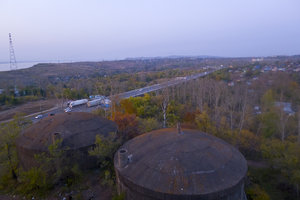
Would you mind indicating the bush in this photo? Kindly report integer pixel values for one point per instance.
(146, 125)
(119, 197)
(257, 193)
(33, 182)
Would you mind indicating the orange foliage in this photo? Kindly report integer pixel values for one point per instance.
(127, 125)
(128, 106)
(190, 116)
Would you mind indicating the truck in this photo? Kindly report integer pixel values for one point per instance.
(107, 103)
(95, 102)
(78, 102)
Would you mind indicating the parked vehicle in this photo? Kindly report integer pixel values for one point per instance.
(38, 116)
(68, 109)
(78, 102)
(95, 102)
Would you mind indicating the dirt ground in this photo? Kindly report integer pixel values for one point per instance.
(28, 108)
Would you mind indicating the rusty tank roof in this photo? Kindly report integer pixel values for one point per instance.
(77, 129)
(191, 163)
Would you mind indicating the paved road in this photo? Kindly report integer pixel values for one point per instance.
(176, 81)
(132, 93)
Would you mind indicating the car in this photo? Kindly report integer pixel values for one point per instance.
(68, 109)
(51, 114)
(38, 116)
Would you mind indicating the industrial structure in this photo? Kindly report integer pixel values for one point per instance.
(185, 164)
(76, 130)
(12, 56)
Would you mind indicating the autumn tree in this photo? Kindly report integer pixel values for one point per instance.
(127, 125)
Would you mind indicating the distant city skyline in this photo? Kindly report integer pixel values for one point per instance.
(108, 30)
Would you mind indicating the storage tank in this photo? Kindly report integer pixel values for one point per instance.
(78, 102)
(172, 164)
(77, 131)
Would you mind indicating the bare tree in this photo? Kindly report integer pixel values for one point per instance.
(164, 105)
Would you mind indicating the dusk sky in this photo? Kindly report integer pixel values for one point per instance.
(77, 30)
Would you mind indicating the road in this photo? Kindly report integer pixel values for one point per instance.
(152, 88)
(132, 93)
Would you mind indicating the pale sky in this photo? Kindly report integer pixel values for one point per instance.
(80, 30)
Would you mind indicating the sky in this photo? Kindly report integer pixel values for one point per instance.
(95, 30)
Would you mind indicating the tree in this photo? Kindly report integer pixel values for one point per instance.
(257, 193)
(164, 101)
(127, 125)
(104, 149)
(149, 124)
(284, 155)
(128, 106)
(268, 123)
(8, 153)
(204, 123)
(174, 113)
(268, 101)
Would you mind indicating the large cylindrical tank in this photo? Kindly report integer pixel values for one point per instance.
(77, 131)
(167, 165)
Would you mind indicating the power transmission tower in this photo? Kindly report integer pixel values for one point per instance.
(12, 57)
(13, 62)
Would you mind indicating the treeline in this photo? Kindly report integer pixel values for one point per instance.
(83, 88)
(12, 97)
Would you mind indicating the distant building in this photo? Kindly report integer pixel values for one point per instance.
(16, 91)
(257, 67)
(257, 110)
(267, 68)
(287, 107)
(231, 84)
(297, 69)
(257, 59)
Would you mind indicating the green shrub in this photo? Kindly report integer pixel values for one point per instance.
(257, 193)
